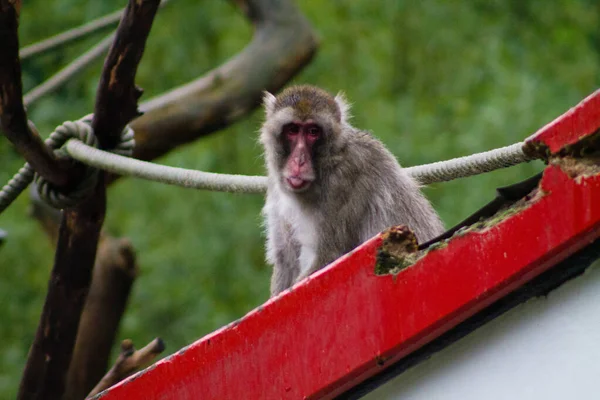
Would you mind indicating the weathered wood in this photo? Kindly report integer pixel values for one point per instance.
(283, 44)
(13, 119)
(129, 361)
(50, 355)
(48, 216)
(114, 273)
(117, 96)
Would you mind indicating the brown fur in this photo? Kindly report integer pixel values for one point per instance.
(305, 100)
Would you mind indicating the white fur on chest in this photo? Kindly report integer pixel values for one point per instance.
(304, 228)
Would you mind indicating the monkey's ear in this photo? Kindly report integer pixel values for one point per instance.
(344, 107)
(268, 102)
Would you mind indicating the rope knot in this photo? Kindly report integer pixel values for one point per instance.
(78, 130)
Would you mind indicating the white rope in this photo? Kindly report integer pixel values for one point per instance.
(118, 162)
(160, 173)
(474, 164)
(424, 174)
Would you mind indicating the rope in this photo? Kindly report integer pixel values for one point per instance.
(475, 164)
(81, 145)
(425, 174)
(170, 175)
(80, 130)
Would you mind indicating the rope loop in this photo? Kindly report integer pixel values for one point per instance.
(80, 130)
(51, 194)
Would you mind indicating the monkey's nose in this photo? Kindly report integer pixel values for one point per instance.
(301, 160)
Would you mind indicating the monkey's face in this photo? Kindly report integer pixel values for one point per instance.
(300, 141)
(302, 128)
(296, 148)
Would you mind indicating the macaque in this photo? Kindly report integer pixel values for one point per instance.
(331, 186)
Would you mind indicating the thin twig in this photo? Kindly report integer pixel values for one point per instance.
(129, 362)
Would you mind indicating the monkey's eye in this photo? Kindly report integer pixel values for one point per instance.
(314, 132)
(291, 129)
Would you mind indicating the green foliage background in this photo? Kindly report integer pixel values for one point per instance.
(432, 79)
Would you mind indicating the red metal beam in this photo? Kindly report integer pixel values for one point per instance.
(574, 125)
(344, 323)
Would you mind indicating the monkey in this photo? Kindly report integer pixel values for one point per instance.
(330, 186)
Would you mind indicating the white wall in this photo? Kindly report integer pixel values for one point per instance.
(547, 348)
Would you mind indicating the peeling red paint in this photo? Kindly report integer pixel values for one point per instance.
(571, 127)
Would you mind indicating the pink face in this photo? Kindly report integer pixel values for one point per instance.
(300, 138)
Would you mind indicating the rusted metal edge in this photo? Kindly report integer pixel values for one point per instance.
(572, 267)
(574, 129)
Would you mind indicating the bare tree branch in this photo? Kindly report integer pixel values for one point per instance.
(48, 362)
(117, 96)
(50, 353)
(129, 362)
(282, 45)
(13, 119)
(114, 273)
(48, 216)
